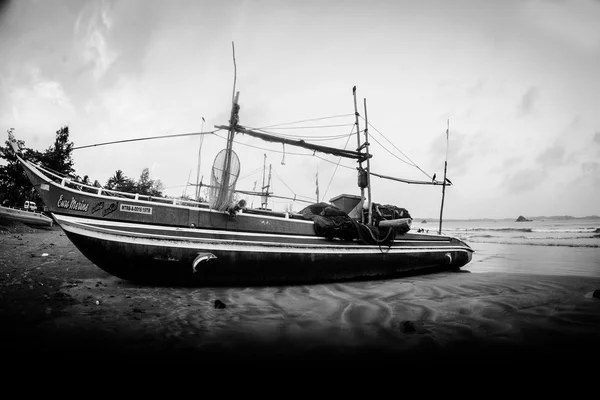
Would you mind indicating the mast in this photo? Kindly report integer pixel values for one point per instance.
(233, 120)
(368, 163)
(264, 170)
(265, 193)
(444, 183)
(362, 178)
(232, 123)
(198, 168)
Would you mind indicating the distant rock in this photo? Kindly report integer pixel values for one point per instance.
(596, 293)
(522, 219)
(424, 221)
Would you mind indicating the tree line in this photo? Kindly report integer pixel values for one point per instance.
(15, 187)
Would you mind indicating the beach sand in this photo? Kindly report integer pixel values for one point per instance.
(518, 306)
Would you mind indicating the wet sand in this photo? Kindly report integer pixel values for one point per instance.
(505, 309)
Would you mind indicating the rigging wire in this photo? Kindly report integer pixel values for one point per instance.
(285, 184)
(313, 138)
(306, 127)
(307, 120)
(401, 152)
(147, 138)
(250, 173)
(338, 163)
(280, 152)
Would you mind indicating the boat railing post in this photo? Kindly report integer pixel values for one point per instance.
(62, 182)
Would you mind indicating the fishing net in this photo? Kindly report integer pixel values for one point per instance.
(223, 179)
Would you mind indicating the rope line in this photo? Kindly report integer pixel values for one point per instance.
(401, 152)
(146, 138)
(339, 159)
(307, 120)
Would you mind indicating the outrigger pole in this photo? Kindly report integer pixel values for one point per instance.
(444, 183)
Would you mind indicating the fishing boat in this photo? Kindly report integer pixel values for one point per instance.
(27, 217)
(223, 241)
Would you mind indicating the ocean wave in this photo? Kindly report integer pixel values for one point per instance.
(530, 243)
(489, 229)
(538, 238)
(528, 230)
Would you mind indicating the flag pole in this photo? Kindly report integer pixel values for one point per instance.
(444, 183)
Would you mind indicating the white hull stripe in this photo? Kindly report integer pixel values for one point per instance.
(117, 224)
(166, 231)
(240, 246)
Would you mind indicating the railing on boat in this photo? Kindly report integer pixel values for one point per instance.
(66, 182)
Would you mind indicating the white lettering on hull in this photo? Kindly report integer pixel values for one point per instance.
(72, 204)
(136, 209)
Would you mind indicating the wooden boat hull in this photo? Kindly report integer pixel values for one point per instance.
(165, 256)
(26, 217)
(170, 243)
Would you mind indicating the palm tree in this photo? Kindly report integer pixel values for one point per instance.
(117, 181)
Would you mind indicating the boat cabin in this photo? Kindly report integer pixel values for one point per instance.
(348, 203)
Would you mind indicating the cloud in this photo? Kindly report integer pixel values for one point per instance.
(528, 100)
(33, 97)
(575, 23)
(524, 180)
(552, 156)
(590, 167)
(597, 137)
(91, 31)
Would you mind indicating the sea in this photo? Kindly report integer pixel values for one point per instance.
(545, 246)
(578, 232)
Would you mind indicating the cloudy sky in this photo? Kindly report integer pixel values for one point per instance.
(518, 80)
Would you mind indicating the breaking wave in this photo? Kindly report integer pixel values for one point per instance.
(560, 242)
(529, 230)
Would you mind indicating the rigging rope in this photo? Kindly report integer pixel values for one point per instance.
(306, 127)
(313, 138)
(411, 161)
(338, 163)
(294, 154)
(285, 184)
(147, 138)
(307, 120)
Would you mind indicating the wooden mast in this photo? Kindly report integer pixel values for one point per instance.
(233, 120)
(197, 197)
(360, 168)
(444, 183)
(366, 145)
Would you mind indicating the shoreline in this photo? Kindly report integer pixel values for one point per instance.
(60, 304)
